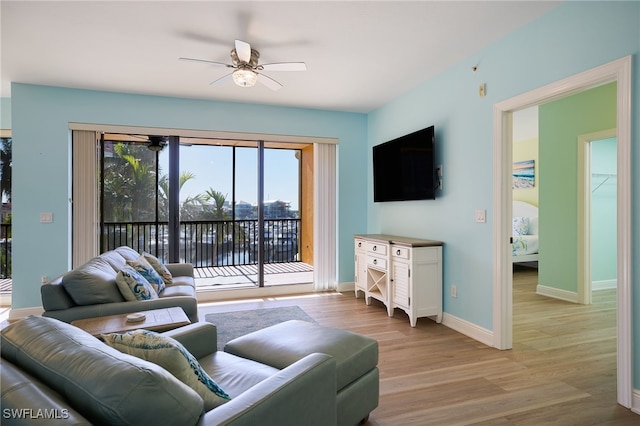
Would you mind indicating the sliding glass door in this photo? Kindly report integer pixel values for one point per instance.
(238, 204)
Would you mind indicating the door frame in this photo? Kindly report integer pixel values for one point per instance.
(618, 71)
(584, 212)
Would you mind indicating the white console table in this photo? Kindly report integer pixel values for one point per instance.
(400, 272)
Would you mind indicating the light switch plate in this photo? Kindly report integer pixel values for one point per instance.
(46, 217)
(481, 216)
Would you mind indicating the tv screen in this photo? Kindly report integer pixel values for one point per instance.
(403, 168)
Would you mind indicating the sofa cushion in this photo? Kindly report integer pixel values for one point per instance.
(113, 258)
(160, 268)
(103, 384)
(127, 253)
(173, 357)
(92, 283)
(132, 283)
(146, 270)
(178, 290)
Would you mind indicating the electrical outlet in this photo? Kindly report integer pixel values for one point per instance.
(454, 291)
(482, 90)
(481, 216)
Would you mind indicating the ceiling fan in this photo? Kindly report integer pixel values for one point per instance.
(247, 70)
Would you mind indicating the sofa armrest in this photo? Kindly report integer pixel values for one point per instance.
(302, 394)
(200, 339)
(180, 269)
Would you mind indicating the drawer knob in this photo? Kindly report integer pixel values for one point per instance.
(398, 252)
(375, 248)
(375, 261)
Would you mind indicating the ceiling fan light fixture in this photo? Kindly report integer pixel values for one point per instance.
(157, 143)
(244, 77)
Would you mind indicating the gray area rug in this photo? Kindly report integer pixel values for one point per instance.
(238, 323)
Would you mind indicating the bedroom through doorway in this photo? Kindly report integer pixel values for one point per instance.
(617, 72)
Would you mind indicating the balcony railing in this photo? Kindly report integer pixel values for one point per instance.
(5, 251)
(210, 243)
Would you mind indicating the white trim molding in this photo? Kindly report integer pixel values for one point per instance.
(467, 328)
(557, 293)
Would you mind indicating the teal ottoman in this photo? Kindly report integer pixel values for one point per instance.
(356, 359)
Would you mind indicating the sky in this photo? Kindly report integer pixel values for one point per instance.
(212, 167)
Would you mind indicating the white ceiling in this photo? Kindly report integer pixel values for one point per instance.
(359, 54)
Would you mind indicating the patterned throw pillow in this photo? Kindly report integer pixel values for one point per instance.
(520, 225)
(159, 267)
(133, 285)
(146, 270)
(171, 355)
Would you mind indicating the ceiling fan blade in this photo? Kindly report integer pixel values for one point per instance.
(221, 80)
(205, 61)
(243, 50)
(285, 66)
(269, 82)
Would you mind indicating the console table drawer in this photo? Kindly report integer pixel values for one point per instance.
(379, 249)
(377, 262)
(401, 252)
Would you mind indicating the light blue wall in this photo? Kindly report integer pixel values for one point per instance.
(603, 210)
(42, 172)
(574, 37)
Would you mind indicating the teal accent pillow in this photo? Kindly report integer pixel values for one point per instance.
(159, 267)
(146, 270)
(520, 225)
(171, 355)
(133, 285)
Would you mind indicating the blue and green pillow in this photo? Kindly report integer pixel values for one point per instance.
(171, 355)
(133, 285)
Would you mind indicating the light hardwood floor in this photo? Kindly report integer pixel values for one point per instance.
(561, 370)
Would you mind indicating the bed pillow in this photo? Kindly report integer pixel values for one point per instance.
(133, 285)
(520, 225)
(171, 355)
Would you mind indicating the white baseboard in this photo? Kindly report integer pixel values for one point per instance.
(568, 296)
(635, 401)
(20, 313)
(604, 285)
(348, 286)
(467, 328)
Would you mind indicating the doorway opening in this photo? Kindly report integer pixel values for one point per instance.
(620, 72)
(597, 200)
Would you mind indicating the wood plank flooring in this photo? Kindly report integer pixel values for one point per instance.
(561, 370)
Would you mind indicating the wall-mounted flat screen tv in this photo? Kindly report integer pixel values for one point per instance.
(404, 169)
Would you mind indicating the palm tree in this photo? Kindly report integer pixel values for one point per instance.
(188, 208)
(219, 199)
(6, 147)
(129, 184)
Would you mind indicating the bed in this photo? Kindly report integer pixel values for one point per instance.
(525, 232)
